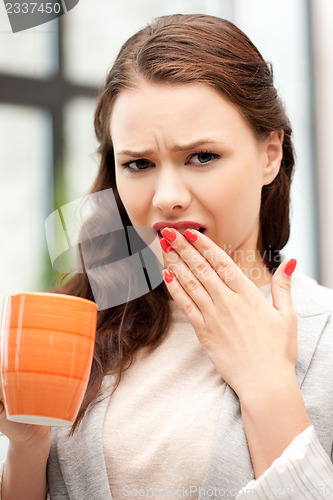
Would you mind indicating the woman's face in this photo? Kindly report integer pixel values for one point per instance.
(184, 153)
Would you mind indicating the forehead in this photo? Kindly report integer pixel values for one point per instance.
(169, 109)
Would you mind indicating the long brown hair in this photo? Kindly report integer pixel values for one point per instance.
(183, 49)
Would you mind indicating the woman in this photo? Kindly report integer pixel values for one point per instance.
(218, 376)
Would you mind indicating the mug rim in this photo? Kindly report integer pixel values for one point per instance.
(51, 294)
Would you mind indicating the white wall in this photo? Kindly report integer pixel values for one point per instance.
(322, 16)
(280, 31)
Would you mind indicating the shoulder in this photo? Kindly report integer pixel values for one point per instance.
(309, 297)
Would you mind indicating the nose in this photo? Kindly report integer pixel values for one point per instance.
(171, 192)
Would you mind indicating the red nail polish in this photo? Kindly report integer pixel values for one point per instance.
(165, 246)
(169, 234)
(167, 275)
(290, 267)
(190, 235)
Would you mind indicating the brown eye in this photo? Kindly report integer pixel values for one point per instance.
(203, 157)
(136, 165)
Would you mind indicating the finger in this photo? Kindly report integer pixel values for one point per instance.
(218, 259)
(187, 280)
(182, 299)
(2, 408)
(196, 263)
(281, 288)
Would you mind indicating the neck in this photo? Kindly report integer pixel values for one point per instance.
(255, 270)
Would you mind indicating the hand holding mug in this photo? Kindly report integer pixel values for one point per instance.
(47, 345)
(22, 434)
(248, 340)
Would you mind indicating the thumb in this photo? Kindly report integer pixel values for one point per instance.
(281, 287)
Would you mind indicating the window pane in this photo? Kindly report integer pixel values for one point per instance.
(323, 84)
(31, 53)
(81, 162)
(25, 197)
(94, 35)
(284, 40)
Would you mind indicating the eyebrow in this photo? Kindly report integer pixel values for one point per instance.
(178, 147)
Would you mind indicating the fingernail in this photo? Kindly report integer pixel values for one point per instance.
(190, 235)
(167, 275)
(165, 246)
(169, 234)
(290, 267)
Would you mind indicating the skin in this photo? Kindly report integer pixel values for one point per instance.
(24, 473)
(216, 278)
(174, 185)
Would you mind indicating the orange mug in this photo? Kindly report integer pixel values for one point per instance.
(47, 346)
